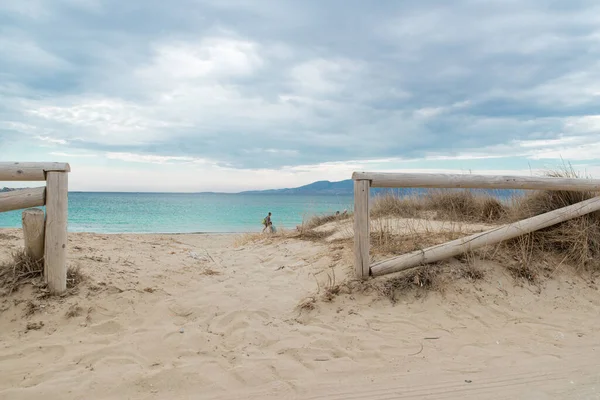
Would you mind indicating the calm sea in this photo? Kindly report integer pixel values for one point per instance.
(184, 213)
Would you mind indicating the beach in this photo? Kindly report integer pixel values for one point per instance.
(231, 316)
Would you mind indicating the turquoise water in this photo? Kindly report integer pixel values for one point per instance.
(184, 213)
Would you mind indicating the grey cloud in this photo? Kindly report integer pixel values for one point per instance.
(341, 80)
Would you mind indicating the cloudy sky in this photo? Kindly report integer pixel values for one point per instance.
(191, 95)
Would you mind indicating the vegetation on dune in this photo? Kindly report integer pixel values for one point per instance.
(21, 270)
(453, 205)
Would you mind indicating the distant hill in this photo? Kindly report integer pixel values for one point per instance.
(346, 187)
(320, 187)
(6, 189)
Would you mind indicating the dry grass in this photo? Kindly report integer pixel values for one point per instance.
(308, 304)
(385, 239)
(31, 308)
(310, 234)
(75, 277)
(453, 205)
(423, 279)
(247, 238)
(20, 270)
(210, 272)
(320, 220)
(74, 311)
(578, 239)
(34, 326)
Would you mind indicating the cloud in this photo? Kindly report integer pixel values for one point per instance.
(72, 155)
(293, 86)
(51, 140)
(211, 58)
(154, 159)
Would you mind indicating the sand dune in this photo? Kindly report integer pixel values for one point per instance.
(194, 316)
(344, 229)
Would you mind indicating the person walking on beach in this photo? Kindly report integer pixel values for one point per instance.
(267, 223)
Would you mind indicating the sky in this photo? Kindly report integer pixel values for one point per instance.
(229, 95)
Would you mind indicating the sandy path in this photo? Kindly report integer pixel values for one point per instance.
(152, 325)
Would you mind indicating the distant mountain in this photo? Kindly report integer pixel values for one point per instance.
(347, 188)
(320, 187)
(6, 189)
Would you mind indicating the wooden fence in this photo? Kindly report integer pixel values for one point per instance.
(363, 181)
(44, 237)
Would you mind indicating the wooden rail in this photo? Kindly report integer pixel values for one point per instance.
(448, 181)
(28, 171)
(54, 229)
(366, 180)
(24, 198)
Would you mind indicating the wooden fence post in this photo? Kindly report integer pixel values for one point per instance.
(361, 229)
(55, 256)
(33, 233)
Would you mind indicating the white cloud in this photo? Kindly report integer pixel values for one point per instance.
(147, 158)
(209, 58)
(322, 76)
(51, 140)
(72, 155)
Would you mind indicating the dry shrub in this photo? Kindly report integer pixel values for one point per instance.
(34, 326)
(247, 238)
(319, 220)
(307, 304)
(74, 311)
(398, 206)
(310, 234)
(454, 205)
(331, 289)
(75, 276)
(31, 308)
(466, 205)
(22, 270)
(578, 239)
(210, 272)
(423, 279)
(19, 271)
(492, 210)
(468, 269)
(385, 240)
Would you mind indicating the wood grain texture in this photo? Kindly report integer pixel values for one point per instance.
(417, 180)
(55, 256)
(33, 232)
(361, 229)
(29, 171)
(24, 198)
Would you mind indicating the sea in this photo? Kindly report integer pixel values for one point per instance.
(188, 213)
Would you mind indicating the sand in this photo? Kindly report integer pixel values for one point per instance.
(203, 317)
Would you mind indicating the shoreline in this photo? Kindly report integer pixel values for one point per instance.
(146, 233)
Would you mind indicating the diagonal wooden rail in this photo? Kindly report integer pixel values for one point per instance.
(363, 181)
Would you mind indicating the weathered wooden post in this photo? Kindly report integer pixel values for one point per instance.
(55, 256)
(33, 233)
(362, 238)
